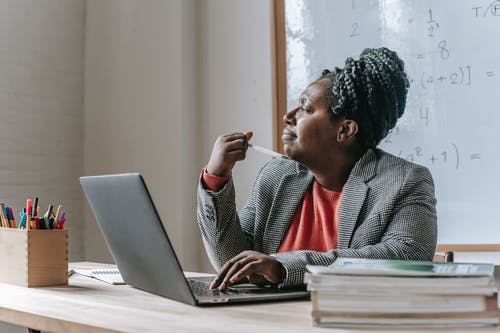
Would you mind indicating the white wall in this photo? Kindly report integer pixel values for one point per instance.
(162, 80)
(41, 112)
(141, 100)
(237, 93)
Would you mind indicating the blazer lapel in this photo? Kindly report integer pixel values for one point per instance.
(354, 195)
(288, 197)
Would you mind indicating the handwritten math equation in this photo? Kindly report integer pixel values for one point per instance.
(462, 74)
(450, 70)
(448, 155)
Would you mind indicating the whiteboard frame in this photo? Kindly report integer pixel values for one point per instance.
(280, 110)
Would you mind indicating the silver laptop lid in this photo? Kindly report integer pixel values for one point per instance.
(135, 235)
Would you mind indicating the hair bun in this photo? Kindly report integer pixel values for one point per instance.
(372, 91)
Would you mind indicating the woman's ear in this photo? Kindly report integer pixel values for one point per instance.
(347, 130)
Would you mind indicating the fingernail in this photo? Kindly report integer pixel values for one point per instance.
(222, 286)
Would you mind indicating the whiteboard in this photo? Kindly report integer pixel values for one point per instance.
(451, 124)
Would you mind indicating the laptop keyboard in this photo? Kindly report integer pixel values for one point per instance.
(201, 288)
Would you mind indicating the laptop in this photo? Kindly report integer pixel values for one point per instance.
(141, 248)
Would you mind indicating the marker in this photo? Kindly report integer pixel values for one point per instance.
(11, 217)
(22, 221)
(57, 217)
(267, 151)
(28, 213)
(63, 221)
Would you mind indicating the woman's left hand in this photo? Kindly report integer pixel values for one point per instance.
(250, 266)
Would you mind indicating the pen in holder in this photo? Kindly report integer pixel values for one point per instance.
(35, 252)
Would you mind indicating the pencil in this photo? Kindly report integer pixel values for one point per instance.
(267, 151)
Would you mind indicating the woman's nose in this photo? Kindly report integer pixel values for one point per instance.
(289, 117)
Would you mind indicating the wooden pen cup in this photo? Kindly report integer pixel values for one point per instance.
(33, 258)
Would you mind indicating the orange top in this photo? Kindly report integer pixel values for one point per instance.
(212, 182)
(315, 223)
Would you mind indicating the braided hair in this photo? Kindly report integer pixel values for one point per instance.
(371, 91)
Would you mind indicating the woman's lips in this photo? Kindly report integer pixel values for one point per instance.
(288, 135)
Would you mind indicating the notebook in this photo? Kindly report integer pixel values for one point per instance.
(141, 248)
(111, 276)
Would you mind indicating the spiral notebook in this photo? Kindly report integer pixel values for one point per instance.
(111, 276)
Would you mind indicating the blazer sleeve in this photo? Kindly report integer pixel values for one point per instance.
(410, 234)
(225, 234)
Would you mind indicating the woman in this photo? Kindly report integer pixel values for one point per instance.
(337, 195)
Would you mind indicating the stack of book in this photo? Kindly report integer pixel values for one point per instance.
(394, 293)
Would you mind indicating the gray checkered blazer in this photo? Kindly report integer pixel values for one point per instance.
(387, 211)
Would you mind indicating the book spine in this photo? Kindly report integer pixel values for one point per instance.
(449, 315)
(491, 302)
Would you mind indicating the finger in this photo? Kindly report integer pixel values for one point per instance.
(257, 279)
(228, 279)
(220, 276)
(236, 155)
(244, 280)
(248, 134)
(215, 283)
(236, 144)
(234, 136)
(251, 267)
(222, 273)
(231, 134)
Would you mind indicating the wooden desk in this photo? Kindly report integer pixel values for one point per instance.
(88, 305)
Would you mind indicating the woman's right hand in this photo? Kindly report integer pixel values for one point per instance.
(228, 149)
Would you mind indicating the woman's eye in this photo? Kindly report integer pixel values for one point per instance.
(305, 110)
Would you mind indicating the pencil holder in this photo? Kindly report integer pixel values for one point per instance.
(33, 258)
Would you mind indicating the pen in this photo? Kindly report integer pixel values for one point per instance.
(41, 222)
(49, 211)
(63, 216)
(267, 151)
(3, 216)
(35, 204)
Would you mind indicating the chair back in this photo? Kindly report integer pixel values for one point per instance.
(446, 256)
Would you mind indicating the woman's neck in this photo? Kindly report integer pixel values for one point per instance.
(333, 173)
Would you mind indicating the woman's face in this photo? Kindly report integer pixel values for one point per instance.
(310, 134)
